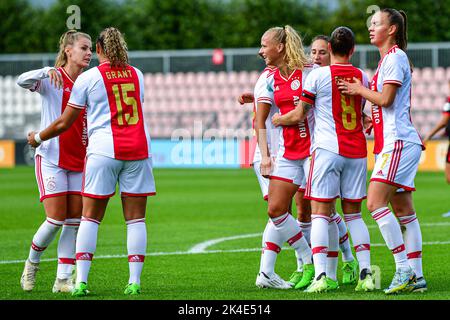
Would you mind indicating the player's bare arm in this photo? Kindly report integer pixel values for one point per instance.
(58, 126)
(440, 125)
(384, 99)
(262, 112)
(292, 117)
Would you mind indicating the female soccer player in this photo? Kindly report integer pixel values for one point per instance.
(282, 47)
(59, 162)
(320, 55)
(398, 147)
(118, 152)
(338, 164)
(444, 122)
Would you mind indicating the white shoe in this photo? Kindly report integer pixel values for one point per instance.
(63, 285)
(28, 278)
(272, 281)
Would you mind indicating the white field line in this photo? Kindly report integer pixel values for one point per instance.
(116, 256)
(201, 247)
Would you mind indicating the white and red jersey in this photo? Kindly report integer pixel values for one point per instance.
(113, 98)
(295, 141)
(68, 150)
(338, 118)
(273, 132)
(394, 122)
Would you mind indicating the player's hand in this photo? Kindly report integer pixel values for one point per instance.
(246, 97)
(349, 88)
(31, 140)
(367, 124)
(266, 167)
(276, 119)
(56, 79)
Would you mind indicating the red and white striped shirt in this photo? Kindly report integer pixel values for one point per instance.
(295, 141)
(394, 122)
(113, 98)
(338, 118)
(69, 149)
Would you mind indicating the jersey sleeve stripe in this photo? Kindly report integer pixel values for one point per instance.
(308, 97)
(75, 106)
(399, 83)
(264, 100)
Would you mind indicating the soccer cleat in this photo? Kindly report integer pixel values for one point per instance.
(272, 281)
(332, 284)
(365, 282)
(295, 278)
(419, 286)
(28, 278)
(350, 272)
(402, 278)
(63, 285)
(132, 289)
(318, 285)
(307, 278)
(80, 290)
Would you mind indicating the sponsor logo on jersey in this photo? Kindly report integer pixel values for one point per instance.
(295, 84)
(380, 173)
(67, 89)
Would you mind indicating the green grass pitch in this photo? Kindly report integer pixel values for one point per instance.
(191, 208)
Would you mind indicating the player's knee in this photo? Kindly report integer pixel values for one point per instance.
(373, 205)
(275, 210)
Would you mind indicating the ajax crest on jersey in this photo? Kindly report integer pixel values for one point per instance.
(295, 84)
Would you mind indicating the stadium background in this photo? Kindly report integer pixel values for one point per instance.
(197, 56)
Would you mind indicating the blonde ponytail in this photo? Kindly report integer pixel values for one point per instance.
(295, 56)
(114, 47)
(67, 39)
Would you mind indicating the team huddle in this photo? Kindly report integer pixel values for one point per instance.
(310, 129)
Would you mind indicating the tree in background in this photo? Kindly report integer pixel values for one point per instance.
(188, 24)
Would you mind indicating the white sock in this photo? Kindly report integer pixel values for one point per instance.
(390, 229)
(297, 256)
(319, 242)
(263, 244)
(291, 233)
(136, 245)
(361, 239)
(306, 229)
(66, 248)
(413, 242)
(43, 237)
(271, 248)
(333, 250)
(85, 247)
(344, 241)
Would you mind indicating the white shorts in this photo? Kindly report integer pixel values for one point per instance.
(101, 174)
(333, 176)
(54, 181)
(397, 165)
(293, 171)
